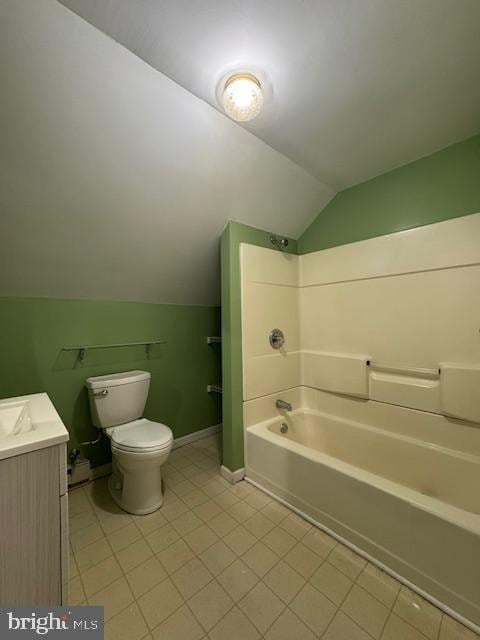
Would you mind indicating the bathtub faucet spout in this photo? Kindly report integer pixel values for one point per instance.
(281, 404)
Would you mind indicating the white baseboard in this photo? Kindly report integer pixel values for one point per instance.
(232, 476)
(198, 435)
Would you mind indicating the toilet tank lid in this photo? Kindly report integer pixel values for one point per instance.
(115, 379)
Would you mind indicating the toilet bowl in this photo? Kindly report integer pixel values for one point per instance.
(139, 446)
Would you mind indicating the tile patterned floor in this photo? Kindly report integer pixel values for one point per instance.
(223, 562)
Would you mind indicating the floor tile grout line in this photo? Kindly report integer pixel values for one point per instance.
(390, 607)
(339, 607)
(135, 599)
(156, 555)
(104, 536)
(169, 577)
(167, 574)
(416, 629)
(287, 606)
(363, 628)
(261, 579)
(236, 603)
(223, 616)
(220, 538)
(440, 626)
(126, 579)
(251, 589)
(391, 612)
(128, 585)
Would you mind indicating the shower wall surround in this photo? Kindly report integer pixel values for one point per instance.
(381, 364)
(270, 300)
(232, 398)
(374, 319)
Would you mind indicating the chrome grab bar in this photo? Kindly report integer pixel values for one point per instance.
(418, 372)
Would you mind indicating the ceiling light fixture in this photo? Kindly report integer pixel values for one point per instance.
(242, 97)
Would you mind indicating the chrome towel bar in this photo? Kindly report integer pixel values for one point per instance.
(83, 348)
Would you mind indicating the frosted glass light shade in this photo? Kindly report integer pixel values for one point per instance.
(242, 97)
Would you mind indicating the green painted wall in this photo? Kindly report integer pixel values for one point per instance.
(233, 235)
(443, 185)
(33, 332)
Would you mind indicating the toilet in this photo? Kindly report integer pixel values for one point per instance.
(139, 446)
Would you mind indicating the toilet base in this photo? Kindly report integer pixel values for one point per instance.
(117, 497)
(136, 481)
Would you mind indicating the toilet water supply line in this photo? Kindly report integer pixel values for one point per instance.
(92, 441)
(102, 394)
(75, 453)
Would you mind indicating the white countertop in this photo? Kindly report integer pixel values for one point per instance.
(28, 423)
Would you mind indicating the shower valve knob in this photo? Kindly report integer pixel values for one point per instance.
(277, 338)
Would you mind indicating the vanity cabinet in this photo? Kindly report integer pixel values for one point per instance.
(34, 528)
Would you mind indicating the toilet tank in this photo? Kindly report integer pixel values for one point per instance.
(118, 397)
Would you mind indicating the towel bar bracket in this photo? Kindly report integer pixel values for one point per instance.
(83, 348)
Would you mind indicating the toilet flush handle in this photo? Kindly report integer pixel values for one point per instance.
(102, 393)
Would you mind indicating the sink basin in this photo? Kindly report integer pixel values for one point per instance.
(14, 419)
(28, 423)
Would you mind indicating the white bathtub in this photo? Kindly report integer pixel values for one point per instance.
(409, 504)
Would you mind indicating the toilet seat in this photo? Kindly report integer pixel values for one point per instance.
(141, 436)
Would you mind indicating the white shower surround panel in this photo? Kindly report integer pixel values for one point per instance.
(409, 300)
(370, 454)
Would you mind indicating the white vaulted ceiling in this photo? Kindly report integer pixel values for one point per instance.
(115, 182)
(359, 86)
(118, 170)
